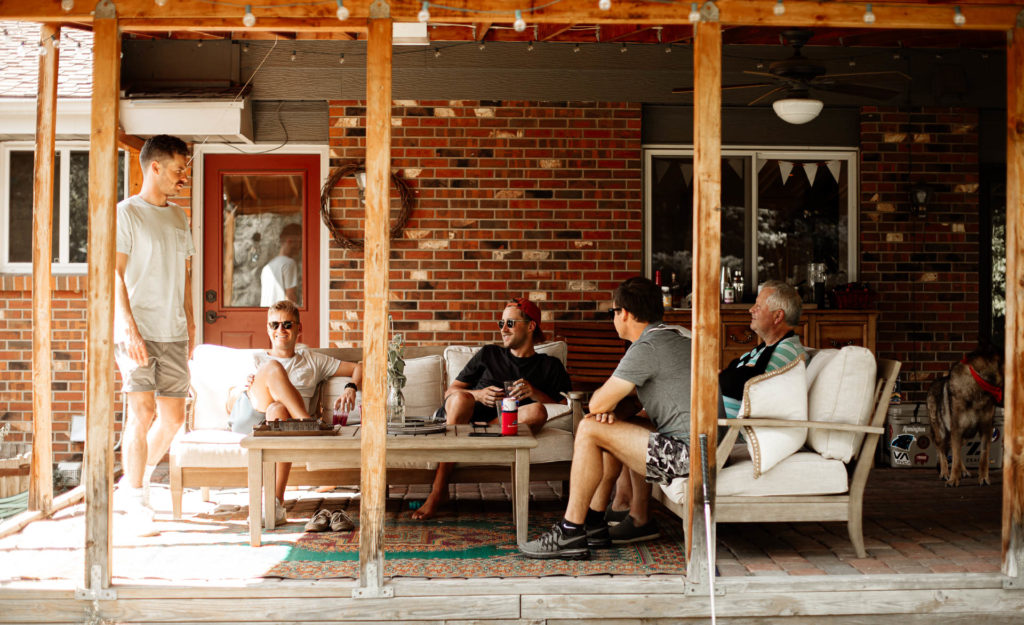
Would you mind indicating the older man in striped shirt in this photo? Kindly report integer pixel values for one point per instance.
(772, 317)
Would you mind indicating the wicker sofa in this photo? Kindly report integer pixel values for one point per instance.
(207, 454)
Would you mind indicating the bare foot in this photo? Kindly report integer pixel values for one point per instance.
(430, 506)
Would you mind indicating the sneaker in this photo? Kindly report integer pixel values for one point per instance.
(320, 522)
(555, 544)
(341, 522)
(598, 537)
(627, 532)
(280, 514)
(130, 501)
(145, 494)
(614, 517)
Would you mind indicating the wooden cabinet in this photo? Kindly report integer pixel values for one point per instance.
(821, 329)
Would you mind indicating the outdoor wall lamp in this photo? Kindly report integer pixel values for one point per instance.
(920, 197)
(361, 183)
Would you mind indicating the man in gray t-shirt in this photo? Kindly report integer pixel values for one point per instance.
(654, 375)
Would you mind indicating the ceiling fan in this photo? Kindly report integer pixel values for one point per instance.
(795, 77)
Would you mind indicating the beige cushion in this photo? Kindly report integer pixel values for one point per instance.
(423, 392)
(209, 448)
(214, 369)
(843, 392)
(779, 394)
(802, 473)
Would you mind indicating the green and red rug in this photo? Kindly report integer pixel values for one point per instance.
(475, 542)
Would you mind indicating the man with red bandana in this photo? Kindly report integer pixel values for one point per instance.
(477, 391)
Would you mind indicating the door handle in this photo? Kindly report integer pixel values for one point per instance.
(211, 316)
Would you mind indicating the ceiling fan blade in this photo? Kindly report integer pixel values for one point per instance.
(849, 88)
(765, 95)
(891, 73)
(727, 87)
(765, 74)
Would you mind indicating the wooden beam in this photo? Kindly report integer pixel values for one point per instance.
(129, 142)
(99, 399)
(707, 236)
(1013, 451)
(375, 316)
(134, 172)
(890, 14)
(41, 480)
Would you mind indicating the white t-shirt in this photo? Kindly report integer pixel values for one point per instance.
(281, 273)
(157, 241)
(305, 369)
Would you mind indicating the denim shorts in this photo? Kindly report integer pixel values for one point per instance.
(243, 416)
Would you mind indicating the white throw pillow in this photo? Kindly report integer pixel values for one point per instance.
(423, 392)
(843, 392)
(779, 394)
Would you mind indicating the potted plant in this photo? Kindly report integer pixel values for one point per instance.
(396, 379)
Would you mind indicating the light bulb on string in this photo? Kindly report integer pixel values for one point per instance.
(694, 16)
(341, 59)
(520, 24)
(294, 55)
(958, 17)
(160, 3)
(199, 44)
(437, 53)
(67, 5)
(869, 15)
(529, 47)
(342, 11)
(42, 49)
(576, 48)
(604, 5)
(55, 42)
(424, 14)
(622, 49)
(779, 8)
(249, 20)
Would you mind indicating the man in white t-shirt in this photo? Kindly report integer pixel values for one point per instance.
(154, 332)
(279, 279)
(284, 381)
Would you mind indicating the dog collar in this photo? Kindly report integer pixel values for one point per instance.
(995, 391)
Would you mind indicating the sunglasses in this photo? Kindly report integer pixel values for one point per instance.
(287, 325)
(510, 323)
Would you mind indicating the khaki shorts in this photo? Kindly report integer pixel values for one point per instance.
(166, 373)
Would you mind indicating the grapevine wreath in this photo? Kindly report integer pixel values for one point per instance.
(349, 169)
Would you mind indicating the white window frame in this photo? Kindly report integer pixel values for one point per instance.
(763, 153)
(61, 188)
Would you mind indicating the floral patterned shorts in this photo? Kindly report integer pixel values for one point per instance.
(667, 458)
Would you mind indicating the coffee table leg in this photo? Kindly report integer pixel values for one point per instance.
(269, 486)
(521, 497)
(255, 491)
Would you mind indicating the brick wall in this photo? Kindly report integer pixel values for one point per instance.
(925, 267)
(512, 198)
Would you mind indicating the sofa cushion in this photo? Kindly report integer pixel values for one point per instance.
(423, 392)
(213, 370)
(843, 392)
(209, 448)
(778, 394)
(802, 473)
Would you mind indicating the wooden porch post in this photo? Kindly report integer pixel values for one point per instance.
(40, 495)
(99, 399)
(1013, 455)
(375, 315)
(707, 234)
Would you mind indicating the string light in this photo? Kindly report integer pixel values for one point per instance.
(245, 47)
(529, 47)
(779, 8)
(56, 42)
(342, 12)
(424, 14)
(199, 44)
(482, 44)
(294, 55)
(622, 48)
(42, 49)
(520, 24)
(67, 5)
(160, 3)
(341, 59)
(869, 15)
(576, 48)
(248, 19)
(604, 5)
(694, 13)
(958, 17)
(668, 49)
(437, 53)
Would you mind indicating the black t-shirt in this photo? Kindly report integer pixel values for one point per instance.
(492, 365)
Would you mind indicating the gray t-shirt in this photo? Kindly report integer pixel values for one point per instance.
(658, 363)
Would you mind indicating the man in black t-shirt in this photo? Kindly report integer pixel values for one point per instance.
(477, 391)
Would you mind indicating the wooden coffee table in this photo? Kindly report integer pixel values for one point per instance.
(454, 445)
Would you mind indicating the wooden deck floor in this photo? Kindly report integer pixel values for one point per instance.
(932, 550)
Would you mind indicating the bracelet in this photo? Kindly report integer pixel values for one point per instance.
(352, 386)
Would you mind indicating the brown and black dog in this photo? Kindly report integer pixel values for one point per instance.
(961, 405)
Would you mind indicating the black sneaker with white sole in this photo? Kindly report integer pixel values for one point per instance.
(628, 532)
(556, 544)
(598, 536)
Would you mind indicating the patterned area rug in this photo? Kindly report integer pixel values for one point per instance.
(476, 542)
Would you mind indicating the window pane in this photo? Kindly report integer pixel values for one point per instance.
(802, 218)
(78, 236)
(263, 220)
(22, 176)
(672, 215)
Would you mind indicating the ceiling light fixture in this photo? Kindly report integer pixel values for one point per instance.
(869, 15)
(797, 110)
(342, 12)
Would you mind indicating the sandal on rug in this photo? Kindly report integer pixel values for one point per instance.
(341, 522)
(320, 522)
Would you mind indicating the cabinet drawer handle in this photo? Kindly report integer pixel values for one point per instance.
(747, 337)
(838, 344)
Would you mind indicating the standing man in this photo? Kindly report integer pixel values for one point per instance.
(154, 332)
(476, 393)
(654, 373)
(279, 278)
(282, 385)
(772, 317)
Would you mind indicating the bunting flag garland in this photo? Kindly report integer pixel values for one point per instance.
(785, 168)
(834, 168)
(687, 169)
(811, 169)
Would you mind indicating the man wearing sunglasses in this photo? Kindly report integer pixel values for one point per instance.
(477, 391)
(654, 374)
(283, 384)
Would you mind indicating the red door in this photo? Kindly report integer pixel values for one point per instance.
(260, 244)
